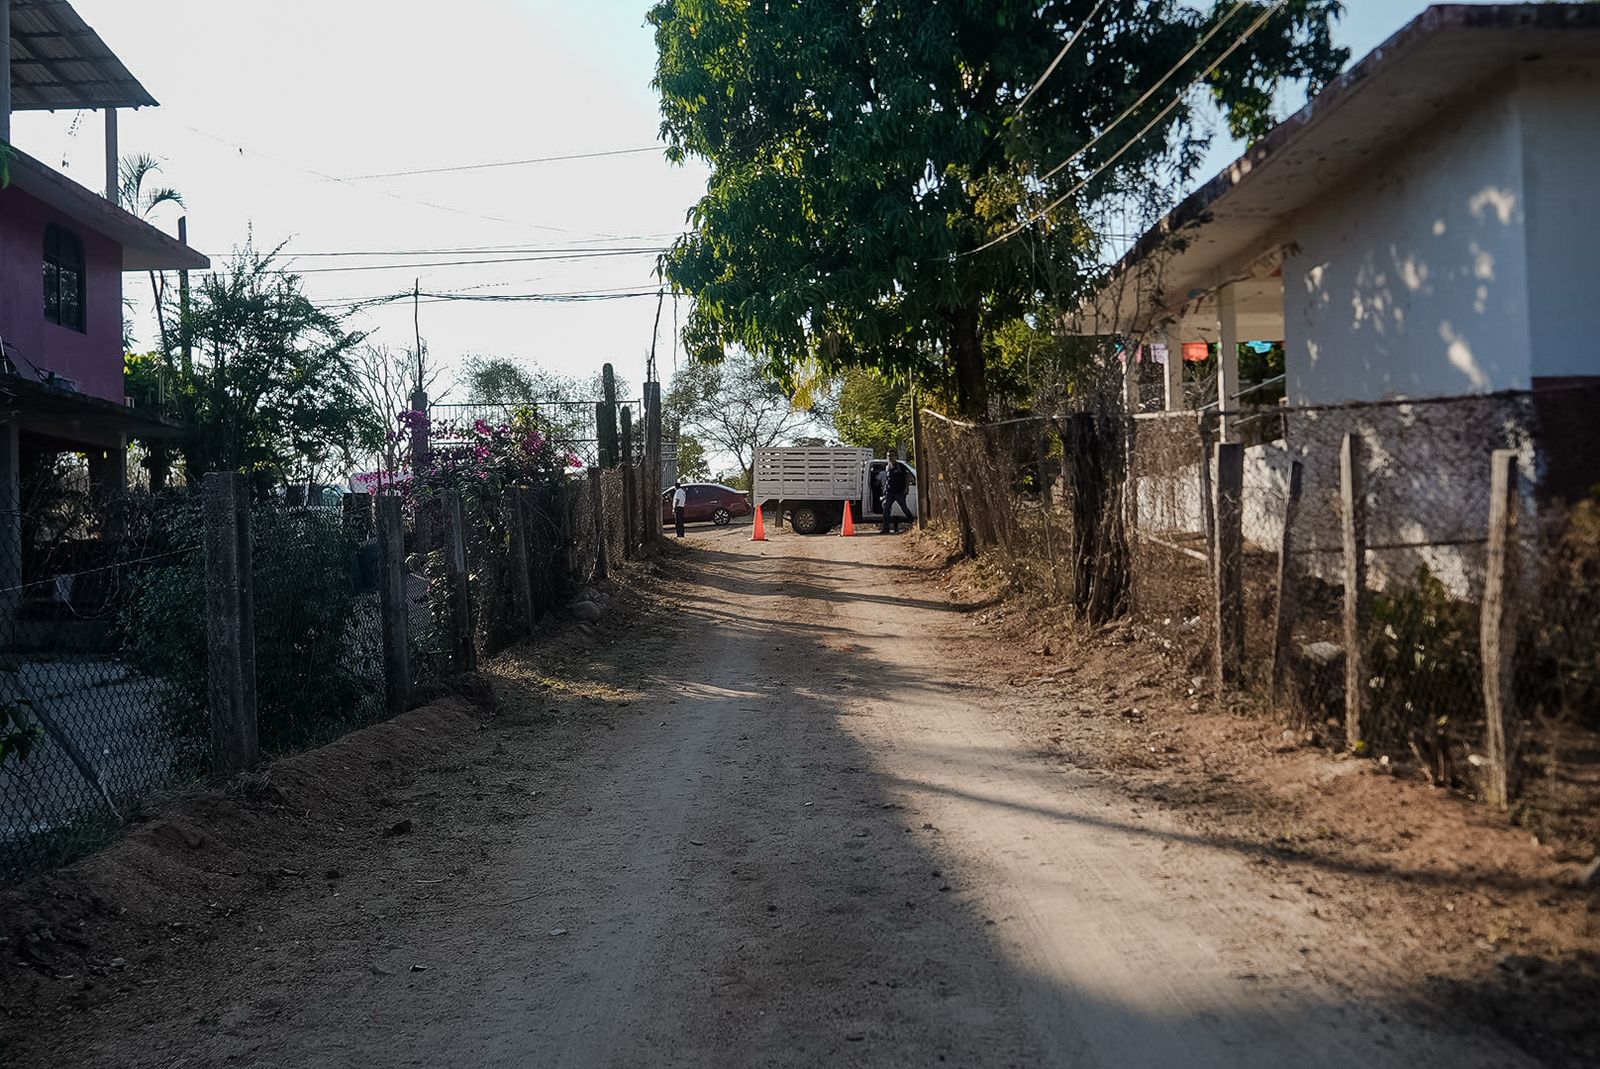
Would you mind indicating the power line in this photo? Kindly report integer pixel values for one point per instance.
(1148, 93)
(1061, 55)
(595, 254)
(501, 163)
(575, 246)
(1053, 205)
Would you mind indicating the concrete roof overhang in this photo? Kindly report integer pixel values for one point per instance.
(1231, 228)
(144, 248)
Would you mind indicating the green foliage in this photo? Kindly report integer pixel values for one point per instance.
(17, 732)
(312, 670)
(872, 412)
(1426, 673)
(692, 459)
(6, 155)
(163, 624)
(1558, 657)
(272, 392)
(564, 403)
(861, 153)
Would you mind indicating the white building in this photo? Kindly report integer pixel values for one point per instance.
(1427, 227)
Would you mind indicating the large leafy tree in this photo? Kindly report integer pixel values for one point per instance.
(864, 152)
(273, 390)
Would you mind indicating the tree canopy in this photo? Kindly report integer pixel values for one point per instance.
(272, 391)
(864, 152)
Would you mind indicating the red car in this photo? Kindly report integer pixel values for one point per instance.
(707, 501)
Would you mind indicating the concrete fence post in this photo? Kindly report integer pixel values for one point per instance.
(1357, 602)
(393, 603)
(455, 556)
(230, 623)
(1284, 612)
(630, 504)
(1499, 627)
(1228, 508)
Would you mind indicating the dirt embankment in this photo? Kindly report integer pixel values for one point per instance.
(313, 837)
(1455, 891)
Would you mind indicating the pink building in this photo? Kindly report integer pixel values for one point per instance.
(63, 252)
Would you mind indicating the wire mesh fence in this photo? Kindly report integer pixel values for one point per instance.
(96, 714)
(1238, 563)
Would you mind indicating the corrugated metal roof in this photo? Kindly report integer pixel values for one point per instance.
(59, 62)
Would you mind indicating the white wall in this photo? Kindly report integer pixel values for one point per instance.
(1414, 282)
(1560, 105)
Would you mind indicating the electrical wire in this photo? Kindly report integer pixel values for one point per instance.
(458, 168)
(1069, 194)
(1061, 55)
(1148, 93)
(590, 255)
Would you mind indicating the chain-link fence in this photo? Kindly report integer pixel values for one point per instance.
(1236, 562)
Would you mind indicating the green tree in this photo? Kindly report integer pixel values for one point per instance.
(565, 402)
(692, 459)
(273, 390)
(137, 194)
(864, 152)
(873, 412)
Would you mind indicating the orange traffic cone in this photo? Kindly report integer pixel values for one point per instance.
(849, 528)
(760, 533)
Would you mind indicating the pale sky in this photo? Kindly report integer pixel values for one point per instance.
(260, 100)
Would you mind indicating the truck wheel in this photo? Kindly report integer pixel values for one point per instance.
(721, 517)
(805, 520)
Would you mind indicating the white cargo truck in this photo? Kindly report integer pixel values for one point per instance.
(811, 485)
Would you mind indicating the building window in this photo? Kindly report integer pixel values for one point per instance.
(63, 278)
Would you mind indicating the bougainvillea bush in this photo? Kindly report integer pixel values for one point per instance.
(483, 462)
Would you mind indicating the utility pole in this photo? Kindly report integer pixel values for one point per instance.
(183, 303)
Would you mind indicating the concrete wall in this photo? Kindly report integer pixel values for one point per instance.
(1414, 281)
(94, 358)
(1560, 105)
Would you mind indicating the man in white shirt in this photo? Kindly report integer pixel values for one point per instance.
(680, 498)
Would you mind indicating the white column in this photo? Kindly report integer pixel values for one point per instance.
(1227, 358)
(5, 70)
(1172, 374)
(112, 159)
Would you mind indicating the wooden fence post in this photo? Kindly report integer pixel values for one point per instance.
(630, 502)
(1229, 567)
(650, 488)
(919, 461)
(515, 505)
(597, 514)
(455, 555)
(1353, 507)
(394, 603)
(1284, 611)
(1499, 627)
(230, 623)
(1208, 521)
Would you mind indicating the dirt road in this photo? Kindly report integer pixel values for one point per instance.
(792, 833)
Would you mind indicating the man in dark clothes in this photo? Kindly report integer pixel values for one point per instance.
(896, 478)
